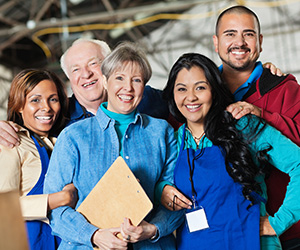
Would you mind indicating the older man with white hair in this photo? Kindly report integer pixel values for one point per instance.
(81, 64)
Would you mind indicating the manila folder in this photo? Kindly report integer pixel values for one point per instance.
(117, 195)
(13, 234)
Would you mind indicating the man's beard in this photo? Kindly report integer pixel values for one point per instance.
(246, 65)
(242, 67)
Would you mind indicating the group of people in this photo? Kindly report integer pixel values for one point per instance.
(228, 178)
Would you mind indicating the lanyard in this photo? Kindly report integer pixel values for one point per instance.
(192, 169)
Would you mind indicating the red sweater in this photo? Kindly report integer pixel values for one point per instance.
(279, 99)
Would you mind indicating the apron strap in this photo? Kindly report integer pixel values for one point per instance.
(38, 188)
(183, 139)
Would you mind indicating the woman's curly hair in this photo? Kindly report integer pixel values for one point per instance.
(220, 127)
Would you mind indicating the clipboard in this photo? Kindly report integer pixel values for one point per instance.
(12, 226)
(117, 195)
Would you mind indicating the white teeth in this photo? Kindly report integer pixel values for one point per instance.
(88, 84)
(125, 97)
(43, 117)
(238, 52)
(192, 106)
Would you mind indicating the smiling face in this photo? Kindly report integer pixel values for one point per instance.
(125, 87)
(238, 41)
(83, 61)
(192, 95)
(42, 108)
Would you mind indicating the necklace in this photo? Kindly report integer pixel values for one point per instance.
(197, 139)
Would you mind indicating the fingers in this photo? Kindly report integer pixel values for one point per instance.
(274, 70)
(278, 72)
(239, 109)
(128, 231)
(181, 202)
(173, 200)
(14, 126)
(69, 186)
(133, 234)
(107, 239)
(72, 195)
(8, 134)
(115, 230)
(265, 227)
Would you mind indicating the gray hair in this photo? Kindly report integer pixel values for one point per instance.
(105, 50)
(126, 52)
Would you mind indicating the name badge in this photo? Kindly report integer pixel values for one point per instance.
(196, 220)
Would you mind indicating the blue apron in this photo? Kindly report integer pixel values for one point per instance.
(231, 225)
(39, 233)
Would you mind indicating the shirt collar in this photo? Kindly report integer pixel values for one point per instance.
(255, 75)
(77, 111)
(105, 120)
(44, 138)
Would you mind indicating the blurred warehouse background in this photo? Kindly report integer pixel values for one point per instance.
(34, 33)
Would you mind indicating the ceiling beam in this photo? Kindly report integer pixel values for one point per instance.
(104, 16)
(107, 5)
(43, 10)
(7, 5)
(9, 21)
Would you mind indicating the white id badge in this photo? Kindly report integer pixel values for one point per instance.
(197, 220)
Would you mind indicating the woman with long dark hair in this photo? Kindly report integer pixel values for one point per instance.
(221, 164)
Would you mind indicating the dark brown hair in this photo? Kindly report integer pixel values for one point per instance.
(26, 81)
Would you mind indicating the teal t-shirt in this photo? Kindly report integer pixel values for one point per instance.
(121, 122)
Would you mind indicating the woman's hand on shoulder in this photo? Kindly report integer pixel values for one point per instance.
(173, 200)
(265, 227)
(106, 239)
(240, 109)
(274, 70)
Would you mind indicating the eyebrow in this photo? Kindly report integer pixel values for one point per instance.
(250, 30)
(39, 95)
(229, 31)
(34, 95)
(91, 59)
(196, 83)
(235, 31)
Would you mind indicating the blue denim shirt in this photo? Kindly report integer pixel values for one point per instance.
(83, 153)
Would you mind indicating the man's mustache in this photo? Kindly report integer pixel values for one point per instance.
(239, 48)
